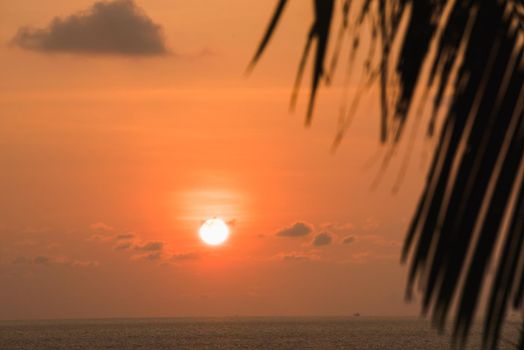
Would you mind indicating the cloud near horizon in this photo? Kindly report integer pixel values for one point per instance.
(117, 27)
(298, 229)
(297, 256)
(46, 260)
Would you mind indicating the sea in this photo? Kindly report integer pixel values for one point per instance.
(234, 333)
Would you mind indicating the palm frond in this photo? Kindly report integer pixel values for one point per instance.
(473, 201)
(269, 32)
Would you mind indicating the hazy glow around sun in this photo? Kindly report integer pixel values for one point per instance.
(214, 231)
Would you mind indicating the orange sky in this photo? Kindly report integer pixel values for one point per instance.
(110, 163)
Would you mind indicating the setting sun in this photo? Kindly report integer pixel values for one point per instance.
(214, 231)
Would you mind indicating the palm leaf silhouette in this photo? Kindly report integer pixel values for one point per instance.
(473, 200)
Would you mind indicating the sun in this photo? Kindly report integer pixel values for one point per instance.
(214, 231)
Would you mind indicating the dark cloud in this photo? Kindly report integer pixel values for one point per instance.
(348, 240)
(321, 239)
(298, 229)
(150, 246)
(117, 27)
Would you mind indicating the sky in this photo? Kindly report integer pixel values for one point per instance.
(113, 151)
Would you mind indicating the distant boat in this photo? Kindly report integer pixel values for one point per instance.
(356, 314)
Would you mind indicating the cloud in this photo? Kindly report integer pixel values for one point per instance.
(123, 246)
(150, 246)
(322, 239)
(130, 242)
(42, 260)
(185, 256)
(154, 256)
(45, 260)
(371, 224)
(123, 241)
(124, 237)
(294, 256)
(299, 229)
(100, 226)
(117, 27)
(348, 240)
(334, 226)
(101, 232)
(81, 264)
(99, 238)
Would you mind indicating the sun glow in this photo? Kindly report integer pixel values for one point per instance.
(214, 231)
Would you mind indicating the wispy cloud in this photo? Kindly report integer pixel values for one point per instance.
(335, 226)
(123, 246)
(151, 246)
(297, 256)
(50, 261)
(153, 250)
(154, 256)
(100, 226)
(125, 236)
(97, 237)
(185, 256)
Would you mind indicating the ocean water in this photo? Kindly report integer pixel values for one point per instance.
(231, 333)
